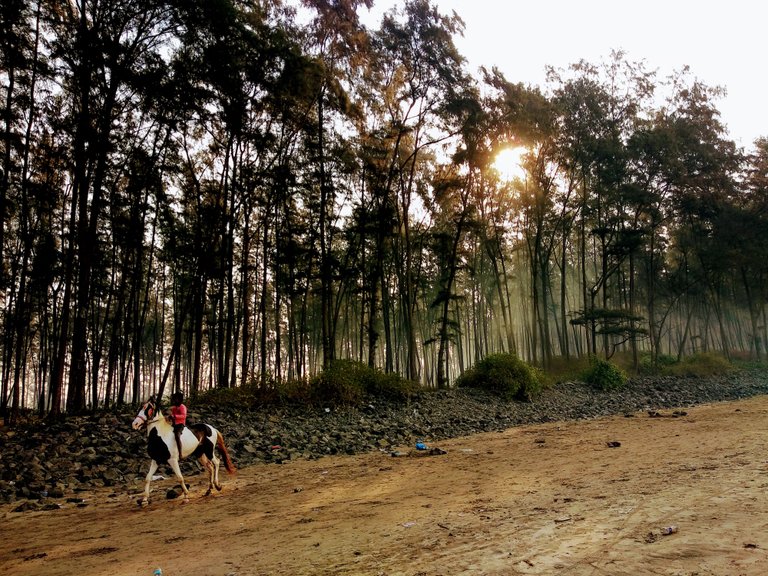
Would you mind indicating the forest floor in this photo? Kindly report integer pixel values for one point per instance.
(579, 497)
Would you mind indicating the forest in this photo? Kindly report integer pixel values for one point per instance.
(207, 194)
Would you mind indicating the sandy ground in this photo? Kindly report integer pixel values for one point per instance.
(559, 498)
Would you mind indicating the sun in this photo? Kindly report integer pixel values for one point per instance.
(509, 163)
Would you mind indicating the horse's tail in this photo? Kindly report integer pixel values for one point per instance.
(228, 464)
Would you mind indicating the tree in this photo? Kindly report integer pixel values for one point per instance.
(339, 40)
(524, 118)
(705, 187)
(601, 107)
(420, 73)
(753, 241)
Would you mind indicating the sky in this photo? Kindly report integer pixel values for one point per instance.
(723, 43)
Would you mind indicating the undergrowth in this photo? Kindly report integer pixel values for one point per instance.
(699, 365)
(345, 382)
(504, 374)
(604, 375)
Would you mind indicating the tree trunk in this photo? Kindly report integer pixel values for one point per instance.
(246, 289)
(326, 279)
(198, 315)
(87, 239)
(443, 352)
(566, 350)
(263, 304)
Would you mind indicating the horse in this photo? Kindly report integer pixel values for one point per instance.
(198, 440)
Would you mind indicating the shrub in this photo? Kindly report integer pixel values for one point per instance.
(700, 365)
(255, 394)
(649, 365)
(341, 383)
(389, 386)
(239, 397)
(348, 382)
(345, 382)
(562, 369)
(604, 375)
(504, 374)
(295, 391)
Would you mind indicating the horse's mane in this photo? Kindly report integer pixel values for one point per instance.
(157, 401)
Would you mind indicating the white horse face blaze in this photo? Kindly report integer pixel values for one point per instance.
(144, 416)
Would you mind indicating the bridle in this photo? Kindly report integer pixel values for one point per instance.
(146, 414)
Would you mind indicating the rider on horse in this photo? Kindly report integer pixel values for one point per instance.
(178, 417)
(201, 441)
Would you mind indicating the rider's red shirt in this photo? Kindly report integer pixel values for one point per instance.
(179, 414)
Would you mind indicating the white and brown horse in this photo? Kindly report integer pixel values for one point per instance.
(198, 440)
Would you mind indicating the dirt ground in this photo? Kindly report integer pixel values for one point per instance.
(590, 497)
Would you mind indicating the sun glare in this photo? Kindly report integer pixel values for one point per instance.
(509, 163)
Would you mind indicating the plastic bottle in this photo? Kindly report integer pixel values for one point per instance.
(158, 572)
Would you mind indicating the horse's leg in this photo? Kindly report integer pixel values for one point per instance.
(209, 468)
(152, 470)
(174, 462)
(216, 464)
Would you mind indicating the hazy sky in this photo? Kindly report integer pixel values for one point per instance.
(723, 43)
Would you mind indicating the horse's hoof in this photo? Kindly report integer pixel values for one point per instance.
(218, 488)
(143, 503)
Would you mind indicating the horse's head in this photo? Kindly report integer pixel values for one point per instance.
(146, 415)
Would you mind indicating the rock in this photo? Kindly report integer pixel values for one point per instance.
(27, 506)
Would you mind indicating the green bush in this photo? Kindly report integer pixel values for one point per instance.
(389, 386)
(562, 369)
(504, 374)
(344, 383)
(349, 382)
(341, 383)
(239, 397)
(649, 365)
(295, 391)
(700, 365)
(604, 375)
(255, 394)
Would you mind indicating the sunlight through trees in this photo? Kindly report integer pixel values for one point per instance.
(216, 194)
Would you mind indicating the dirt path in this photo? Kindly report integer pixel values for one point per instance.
(546, 499)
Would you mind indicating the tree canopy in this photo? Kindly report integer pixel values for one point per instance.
(211, 194)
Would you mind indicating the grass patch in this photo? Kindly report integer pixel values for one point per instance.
(701, 365)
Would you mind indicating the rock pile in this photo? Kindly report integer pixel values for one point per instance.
(50, 462)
